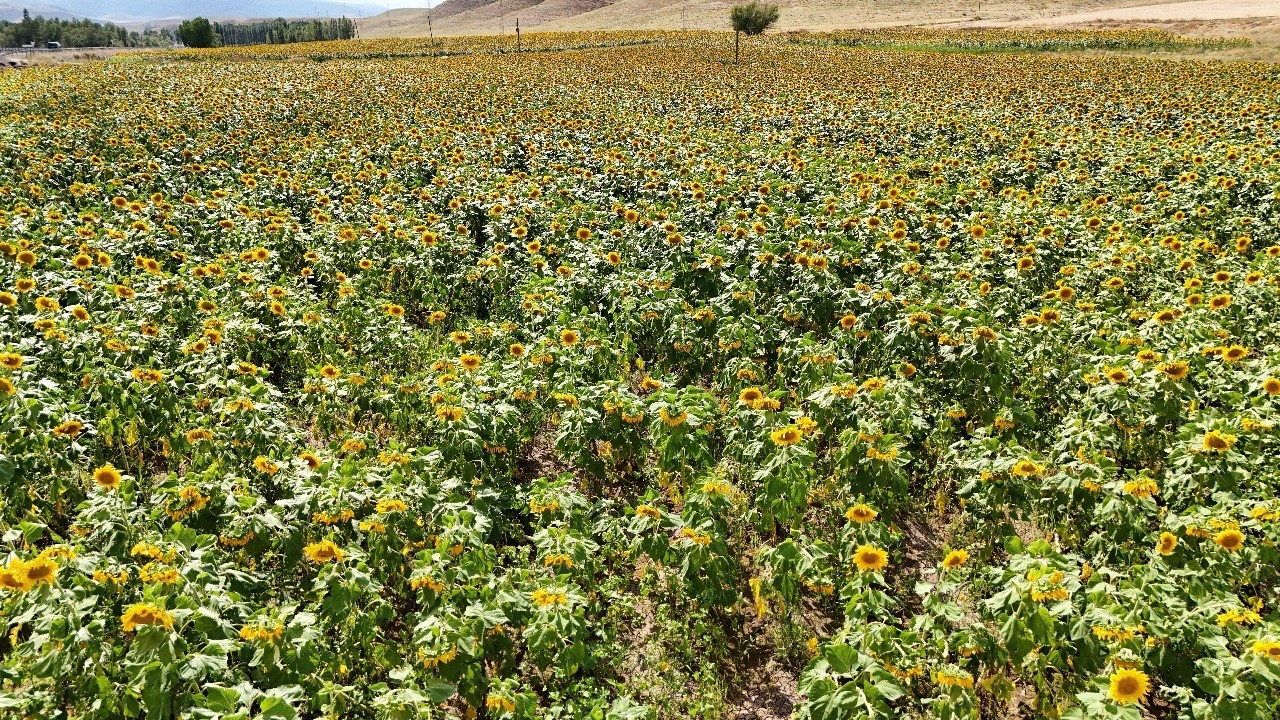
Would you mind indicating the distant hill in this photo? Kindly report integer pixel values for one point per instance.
(492, 17)
(132, 11)
(12, 11)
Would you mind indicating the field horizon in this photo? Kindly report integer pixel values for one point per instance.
(1258, 18)
(882, 373)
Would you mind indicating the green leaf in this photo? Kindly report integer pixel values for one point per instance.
(275, 707)
(156, 697)
(221, 699)
(438, 690)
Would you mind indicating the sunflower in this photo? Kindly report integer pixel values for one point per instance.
(469, 361)
(1129, 686)
(673, 420)
(1118, 376)
(569, 337)
(1175, 371)
(1167, 543)
(750, 396)
(1026, 468)
(1271, 386)
(1269, 649)
(955, 559)
(70, 428)
(1235, 353)
(870, 558)
(40, 570)
(1142, 488)
(107, 476)
(1229, 539)
(861, 513)
(784, 436)
(1219, 302)
(323, 552)
(1217, 442)
(265, 466)
(9, 575)
(145, 614)
(450, 414)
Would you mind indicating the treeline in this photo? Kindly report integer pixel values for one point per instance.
(76, 34)
(270, 32)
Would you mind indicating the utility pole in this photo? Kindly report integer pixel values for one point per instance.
(517, 34)
(684, 15)
(430, 30)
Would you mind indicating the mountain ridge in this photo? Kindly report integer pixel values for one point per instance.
(129, 11)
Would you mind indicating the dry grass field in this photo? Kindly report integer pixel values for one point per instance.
(1257, 19)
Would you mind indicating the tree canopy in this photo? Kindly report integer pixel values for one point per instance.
(754, 17)
(197, 33)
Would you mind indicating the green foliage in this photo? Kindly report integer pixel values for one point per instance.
(70, 33)
(932, 381)
(197, 33)
(281, 30)
(753, 18)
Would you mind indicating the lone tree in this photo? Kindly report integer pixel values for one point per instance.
(197, 33)
(752, 18)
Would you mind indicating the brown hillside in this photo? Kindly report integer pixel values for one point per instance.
(491, 17)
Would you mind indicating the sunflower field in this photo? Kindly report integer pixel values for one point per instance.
(613, 379)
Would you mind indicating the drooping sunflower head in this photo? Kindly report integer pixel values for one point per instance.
(145, 614)
(323, 552)
(1217, 442)
(861, 513)
(784, 436)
